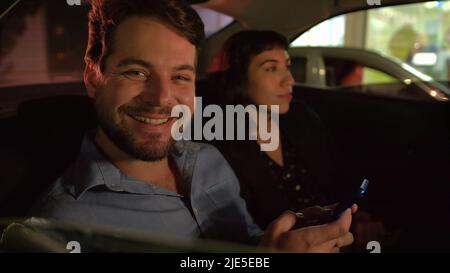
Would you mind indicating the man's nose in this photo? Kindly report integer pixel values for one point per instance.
(158, 91)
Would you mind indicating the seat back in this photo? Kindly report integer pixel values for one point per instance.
(48, 133)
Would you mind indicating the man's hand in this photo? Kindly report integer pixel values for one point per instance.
(324, 238)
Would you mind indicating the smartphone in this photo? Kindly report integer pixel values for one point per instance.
(322, 215)
(342, 206)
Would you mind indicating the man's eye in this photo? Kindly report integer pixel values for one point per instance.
(271, 69)
(135, 75)
(182, 78)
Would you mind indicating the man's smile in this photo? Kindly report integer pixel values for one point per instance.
(148, 120)
(152, 121)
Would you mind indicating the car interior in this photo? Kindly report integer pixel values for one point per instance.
(402, 145)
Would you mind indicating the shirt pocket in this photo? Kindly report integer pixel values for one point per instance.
(221, 195)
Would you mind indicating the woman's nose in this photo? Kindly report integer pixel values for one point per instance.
(289, 79)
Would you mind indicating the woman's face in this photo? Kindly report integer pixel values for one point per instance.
(269, 79)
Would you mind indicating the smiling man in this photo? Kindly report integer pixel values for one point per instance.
(140, 83)
(130, 173)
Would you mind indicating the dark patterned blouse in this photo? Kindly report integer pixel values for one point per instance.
(303, 181)
(292, 178)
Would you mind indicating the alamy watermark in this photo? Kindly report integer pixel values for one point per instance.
(374, 247)
(73, 2)
(374, 2)
(74, 247)
(262, 123)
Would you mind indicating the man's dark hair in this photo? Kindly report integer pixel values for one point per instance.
(106, 15)
(228, 74)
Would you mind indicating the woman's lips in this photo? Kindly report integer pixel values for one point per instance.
(286, 97)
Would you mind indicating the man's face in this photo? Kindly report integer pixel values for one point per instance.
(150, 70)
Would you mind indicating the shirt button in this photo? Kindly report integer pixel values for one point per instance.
(298, 187)
(303, 171)
(288, 175)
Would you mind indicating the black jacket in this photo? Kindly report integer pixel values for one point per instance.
(306, 134)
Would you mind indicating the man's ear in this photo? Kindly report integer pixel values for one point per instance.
(92, 79)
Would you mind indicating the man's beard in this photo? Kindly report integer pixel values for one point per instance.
(152, 148)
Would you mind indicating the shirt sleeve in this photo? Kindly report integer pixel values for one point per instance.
(230, 208)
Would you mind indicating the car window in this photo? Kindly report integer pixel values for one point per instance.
(298, 68)
(342, 72)
(413, 38)
(44, 42)
(332, 33)
(213, 20)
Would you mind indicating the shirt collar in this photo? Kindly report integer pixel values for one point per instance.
(93, 168)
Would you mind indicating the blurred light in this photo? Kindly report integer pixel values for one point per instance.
(322, 72)
(433, 93)
(407, 81)
(60, 56)
(59, 30)
(424, 58)
(446, 6)
(416, 72)
(431, 5)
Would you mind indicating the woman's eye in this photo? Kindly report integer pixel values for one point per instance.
(271, 69)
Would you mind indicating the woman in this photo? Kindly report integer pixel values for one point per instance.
(253, 68)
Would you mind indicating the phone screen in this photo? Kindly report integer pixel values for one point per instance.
(322, 215)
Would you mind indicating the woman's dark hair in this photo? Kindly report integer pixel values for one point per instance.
(106, 15)
(228, 73)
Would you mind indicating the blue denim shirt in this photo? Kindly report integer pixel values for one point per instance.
(93, 191)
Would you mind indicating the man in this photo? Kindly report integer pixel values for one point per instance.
(140, 63)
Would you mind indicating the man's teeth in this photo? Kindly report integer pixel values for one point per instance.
(151, 121)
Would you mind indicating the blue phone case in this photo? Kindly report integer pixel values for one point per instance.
(349, 203)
